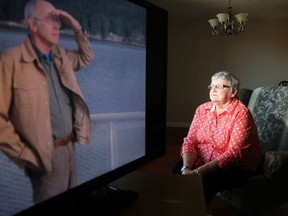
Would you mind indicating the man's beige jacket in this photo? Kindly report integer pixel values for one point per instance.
(25, 126)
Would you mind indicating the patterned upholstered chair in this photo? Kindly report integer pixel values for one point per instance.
(269, 107)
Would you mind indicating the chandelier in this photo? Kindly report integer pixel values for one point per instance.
(226, 24)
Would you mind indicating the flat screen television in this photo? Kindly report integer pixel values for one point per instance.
(125, 89)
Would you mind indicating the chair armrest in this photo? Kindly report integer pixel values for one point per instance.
(274, 162)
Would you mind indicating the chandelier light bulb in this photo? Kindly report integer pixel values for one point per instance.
(223, 17)
(213, 22)
(241, 17)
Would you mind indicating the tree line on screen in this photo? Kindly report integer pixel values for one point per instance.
(116, 20)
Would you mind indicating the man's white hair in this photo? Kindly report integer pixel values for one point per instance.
(30, 9)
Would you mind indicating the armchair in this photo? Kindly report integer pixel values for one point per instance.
(269, 107)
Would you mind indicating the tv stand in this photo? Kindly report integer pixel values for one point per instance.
(108, 200)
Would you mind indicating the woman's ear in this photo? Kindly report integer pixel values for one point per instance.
(234, 93)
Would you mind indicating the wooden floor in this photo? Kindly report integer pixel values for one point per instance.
(164, 164)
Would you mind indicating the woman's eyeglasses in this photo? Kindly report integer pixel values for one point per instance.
(218, 86)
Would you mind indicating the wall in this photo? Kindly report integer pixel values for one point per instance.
(259, 57)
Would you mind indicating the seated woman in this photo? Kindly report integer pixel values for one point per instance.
(222, 144)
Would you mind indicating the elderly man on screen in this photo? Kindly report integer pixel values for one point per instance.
(222, 144)
(42, 109)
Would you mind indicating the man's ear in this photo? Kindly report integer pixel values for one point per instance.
(32, 24)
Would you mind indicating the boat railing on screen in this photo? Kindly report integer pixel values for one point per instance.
(129, 120)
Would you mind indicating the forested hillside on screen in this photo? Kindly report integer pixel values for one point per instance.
(120, 20)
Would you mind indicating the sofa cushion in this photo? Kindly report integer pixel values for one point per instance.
(269, 107)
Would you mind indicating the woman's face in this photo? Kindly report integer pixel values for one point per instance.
(220, 92)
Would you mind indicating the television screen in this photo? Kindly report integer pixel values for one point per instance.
(124, 87)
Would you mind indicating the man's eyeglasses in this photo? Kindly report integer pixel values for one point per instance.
(218, 86)
(50, 20)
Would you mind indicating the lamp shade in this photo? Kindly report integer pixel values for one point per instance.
(213, 22)
(241, 17)
(223, 17)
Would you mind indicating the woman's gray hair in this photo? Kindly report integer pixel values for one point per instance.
(234, 83)
(30, 9)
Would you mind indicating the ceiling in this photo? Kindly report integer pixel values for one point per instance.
(188, 9)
